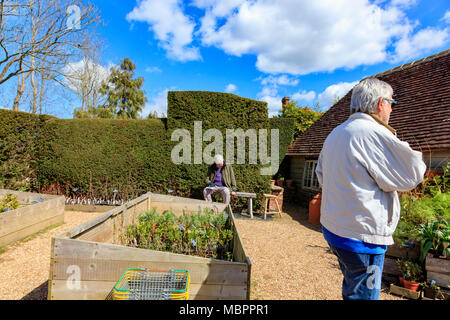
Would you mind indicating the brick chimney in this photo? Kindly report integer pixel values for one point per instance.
(285, 101)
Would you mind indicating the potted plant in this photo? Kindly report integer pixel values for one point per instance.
(432, 291)
(280, 182)
(435, 239)
(411, 273)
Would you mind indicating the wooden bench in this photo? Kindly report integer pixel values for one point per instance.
(250, 197)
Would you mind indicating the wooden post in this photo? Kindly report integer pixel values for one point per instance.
(250, 207)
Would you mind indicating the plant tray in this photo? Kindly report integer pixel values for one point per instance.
(400, 291)
(141, 284)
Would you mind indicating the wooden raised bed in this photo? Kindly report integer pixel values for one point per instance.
(438, 269)
(393, 253)
(88, 260)
(29, 218)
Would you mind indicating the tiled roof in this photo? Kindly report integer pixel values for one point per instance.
(422, 117)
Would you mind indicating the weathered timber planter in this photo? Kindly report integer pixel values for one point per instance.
(404, 292)
(438, 269)
(88, 260)
(36, 212)
(394, 252)
(398, 251)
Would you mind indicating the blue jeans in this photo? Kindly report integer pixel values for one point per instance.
(362, 274)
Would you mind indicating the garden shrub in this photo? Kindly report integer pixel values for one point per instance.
(220, 111)
(97, 156)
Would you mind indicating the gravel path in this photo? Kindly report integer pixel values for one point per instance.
(25, 266)
(290, 260)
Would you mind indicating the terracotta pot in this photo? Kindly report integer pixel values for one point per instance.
(432, 173)
(314, 209)
(280, 183)
(409, 284)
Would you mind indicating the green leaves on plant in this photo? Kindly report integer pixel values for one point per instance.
(409, 270)
(435, 237)
(204, 234)
(9, 203)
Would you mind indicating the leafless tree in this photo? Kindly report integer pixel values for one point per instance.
(38, 38)
(85, 77)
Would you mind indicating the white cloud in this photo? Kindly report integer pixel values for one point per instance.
(403, 3)
(339, 90)
(231, 88)
(274, 104)
(304, 96)
(269, 91)
(282, 80)
(301, 37)
(170, 25)
(290, 37)
(446, 17)
(76, 71)
(157, 104)
(412, 46)
(153, 70)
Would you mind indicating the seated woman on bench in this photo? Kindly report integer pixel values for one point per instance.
(220, 179)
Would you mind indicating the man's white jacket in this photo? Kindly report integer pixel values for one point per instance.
(361, 167)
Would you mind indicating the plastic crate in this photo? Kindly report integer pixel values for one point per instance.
(142, 284)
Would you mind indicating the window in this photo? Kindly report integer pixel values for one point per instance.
(309, 175)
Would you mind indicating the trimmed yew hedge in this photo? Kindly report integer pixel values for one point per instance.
(98, 156)
(19, 137)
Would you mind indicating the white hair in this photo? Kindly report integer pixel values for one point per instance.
(218, 159)
(367, 93)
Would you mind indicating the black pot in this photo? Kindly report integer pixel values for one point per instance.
(430, 293)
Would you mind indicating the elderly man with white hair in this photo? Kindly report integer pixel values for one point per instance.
(361, 167)
(220, 179)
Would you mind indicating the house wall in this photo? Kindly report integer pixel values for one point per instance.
(297, 166)
(436, 159)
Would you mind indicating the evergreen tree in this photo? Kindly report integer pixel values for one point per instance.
(125, 98)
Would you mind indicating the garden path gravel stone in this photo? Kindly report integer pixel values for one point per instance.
(291, 259)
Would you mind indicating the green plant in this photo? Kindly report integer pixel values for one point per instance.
(9, 203)
(304, 116)
(410, 270)
(435, 238)
(417, 211)
(204, 234)
(441, 184)
(436, 290)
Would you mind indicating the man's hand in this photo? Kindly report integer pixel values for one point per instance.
(233, 193)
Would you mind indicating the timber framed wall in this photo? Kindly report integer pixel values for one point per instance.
(88, 260)
(30, 217)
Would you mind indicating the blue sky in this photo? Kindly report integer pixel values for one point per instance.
(311, 51)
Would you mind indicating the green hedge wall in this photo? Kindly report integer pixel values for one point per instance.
(97, 156)
(220, 111)
(19, 136)
(286, 133)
